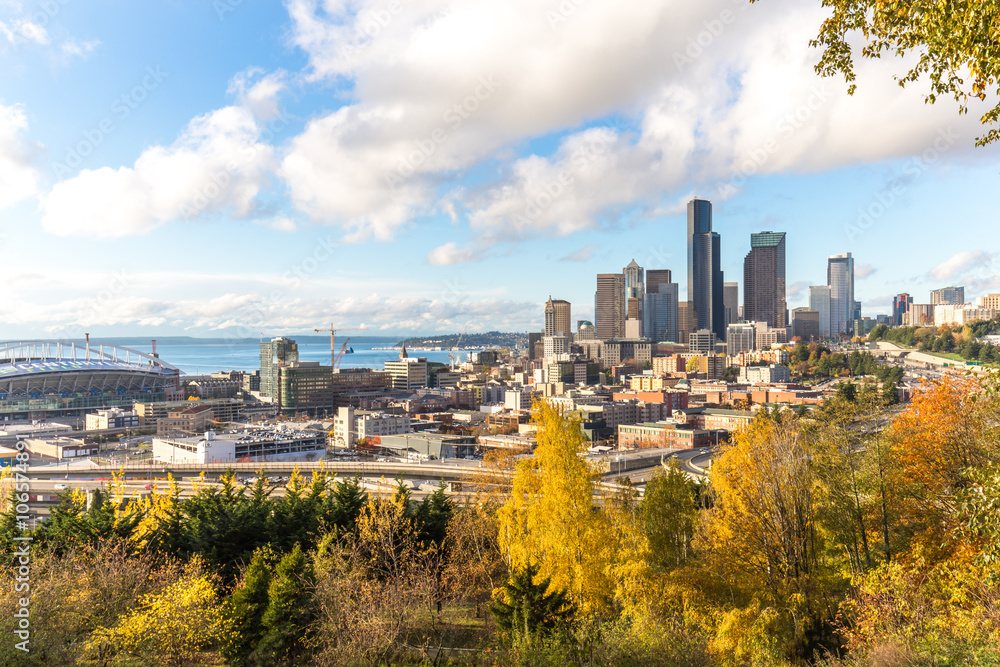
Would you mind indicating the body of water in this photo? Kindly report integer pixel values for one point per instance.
(203, 356)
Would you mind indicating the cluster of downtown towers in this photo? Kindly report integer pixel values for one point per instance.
(638, 303)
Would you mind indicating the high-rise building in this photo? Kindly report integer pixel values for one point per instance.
(274, 354)
(558, 319)
(731, 301)
(705, 279)
(764, 279)
(900, 304)
(635, 293)
(819, 300)
(533, 340)
(655, 277)
(408, 372)
(684, 317)
(840, 280)
(948, 295)
(989, 301)
(660, 313)
(609, 306)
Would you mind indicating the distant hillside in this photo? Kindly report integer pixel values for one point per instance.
(501, 339)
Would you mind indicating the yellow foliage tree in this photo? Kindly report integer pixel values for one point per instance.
(175, 626)
(551, 518)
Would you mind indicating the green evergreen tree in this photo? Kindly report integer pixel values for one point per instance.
(526, 607)
(245, 609)
(289, 612)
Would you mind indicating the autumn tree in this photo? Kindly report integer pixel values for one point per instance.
(668, 514)
(957, 44)
(762, 535)
(551, 517)
(174, 627)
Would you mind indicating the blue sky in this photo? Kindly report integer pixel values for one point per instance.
(211, 168)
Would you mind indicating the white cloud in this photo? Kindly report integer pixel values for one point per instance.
(960, 263)
(18, 175)
(580, 254)
(709, 95)
(218, 163)
(259, 92)
(451, 253)
(863, 271)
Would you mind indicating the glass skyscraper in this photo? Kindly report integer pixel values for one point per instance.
(705, 279)
(840, 280)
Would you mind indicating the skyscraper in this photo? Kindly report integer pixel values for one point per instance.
(731, 301)
(635, 293)
(840, 280)
(948, 295)
(660, 313)
(705, 279)
(819, 300)
(764, 279)
(656, 277)
(900, 306)
(558, 320)
(609, 306)
(274, 354)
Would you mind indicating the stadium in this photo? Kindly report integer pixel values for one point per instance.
(45, 379)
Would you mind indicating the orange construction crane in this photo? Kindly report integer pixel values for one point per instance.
(333, 332)
(340, 355)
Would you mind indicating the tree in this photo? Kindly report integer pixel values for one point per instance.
(956, 42)
(528, 607)
(551, 518)
(692, 365)
(246, 606)
(289, 611)
(668, 513)
(175, 626)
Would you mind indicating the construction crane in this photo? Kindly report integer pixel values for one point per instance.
(333, 332)
(340, 355)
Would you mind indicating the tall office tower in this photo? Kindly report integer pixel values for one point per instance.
(819, 300)
(705, 279)
(840, 280)
(684, 326)
(764, 279)
(635, 292)
(558, 321)
(274, 354)
(900, 305)
(855, 313)
(948, 295)
(660, 312)
(702, 342)
(609, 306)
(731, 301)
(534, 339)
(656, 277)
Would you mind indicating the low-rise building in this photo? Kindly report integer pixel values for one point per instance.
(663, 434)
(108, 419)
(186, 420)
(765, 374)
(61, 448)
(351, 425)
(259, 444)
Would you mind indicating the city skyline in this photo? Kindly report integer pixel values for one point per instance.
(152, 190)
